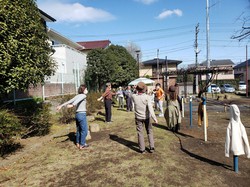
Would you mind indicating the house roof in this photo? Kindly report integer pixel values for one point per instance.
(57, 36)
(46, 17)
(218, 62)
(161, 61)
(243, 64)
(95, 44)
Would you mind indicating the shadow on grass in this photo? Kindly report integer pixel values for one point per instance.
(127, 143)
(184, 135)
(166, 128)
(122, 109)
(7, 149)
(160, 126)
(100, 113)
(70, 137)
(202, 159)
(99, 119)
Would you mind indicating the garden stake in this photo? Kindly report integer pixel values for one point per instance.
(204, 118)
(182, 104)
(190, 112)
(236, 166)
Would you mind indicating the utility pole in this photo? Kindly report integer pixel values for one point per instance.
(158, 74)
(196, 50)
(138, 60)
(166, 67)
(246, 73)
(208, 43)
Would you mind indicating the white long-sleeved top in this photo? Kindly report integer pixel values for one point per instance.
(236, 138)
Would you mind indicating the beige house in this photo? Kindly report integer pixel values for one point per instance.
(240, 71)
(226, 63)
(155, 68)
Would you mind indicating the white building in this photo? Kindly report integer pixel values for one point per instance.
(71, 62)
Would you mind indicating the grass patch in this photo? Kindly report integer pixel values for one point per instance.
(112, 160)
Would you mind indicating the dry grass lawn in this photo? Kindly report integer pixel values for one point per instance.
(113, 159)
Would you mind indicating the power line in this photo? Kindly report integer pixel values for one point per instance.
(158, 37)
(134, 33)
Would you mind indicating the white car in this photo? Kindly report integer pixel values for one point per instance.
(215, 88)
(241, 89)
(242, 86)
(227, 88)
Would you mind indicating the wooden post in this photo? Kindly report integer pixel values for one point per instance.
(204, 118)
(182, 103)
(190, 112)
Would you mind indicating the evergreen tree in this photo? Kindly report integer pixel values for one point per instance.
(24, 48)
(113, 64)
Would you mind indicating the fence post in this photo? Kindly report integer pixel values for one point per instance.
(204, 118)
(190, 112)
(182, 106)
(236, 166)
(43, 92)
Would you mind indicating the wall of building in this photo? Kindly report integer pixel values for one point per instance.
(188, 87)
(242, 70)
(145, 71)
(71, 65)
(221, 77)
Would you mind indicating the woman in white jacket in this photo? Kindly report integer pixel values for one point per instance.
(236, 139)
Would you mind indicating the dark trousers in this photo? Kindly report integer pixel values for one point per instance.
(129, 104)
(108, 114)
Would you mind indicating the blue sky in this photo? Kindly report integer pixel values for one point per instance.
(167, 25)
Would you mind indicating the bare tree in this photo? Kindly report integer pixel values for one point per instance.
(133, 49)
(244, 32)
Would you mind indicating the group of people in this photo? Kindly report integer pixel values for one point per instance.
(144, 112)
(137, 99)
(127, 94)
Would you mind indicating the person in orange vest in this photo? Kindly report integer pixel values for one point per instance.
(159, 94)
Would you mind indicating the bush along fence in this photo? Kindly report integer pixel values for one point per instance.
(25, 119)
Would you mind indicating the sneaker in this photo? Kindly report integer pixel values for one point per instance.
(143, 152)
(84, 146)
(152, 149)
(161, 115)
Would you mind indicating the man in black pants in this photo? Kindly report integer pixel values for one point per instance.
(128, 96)
(107, 96)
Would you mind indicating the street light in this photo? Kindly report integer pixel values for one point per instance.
(138, 60)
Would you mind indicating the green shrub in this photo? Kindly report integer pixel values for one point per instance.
(35, 117)
(10, 126)
(38, 124)
(92, 103)
(67, 115)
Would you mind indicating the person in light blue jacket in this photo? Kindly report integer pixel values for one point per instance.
(79, 101)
